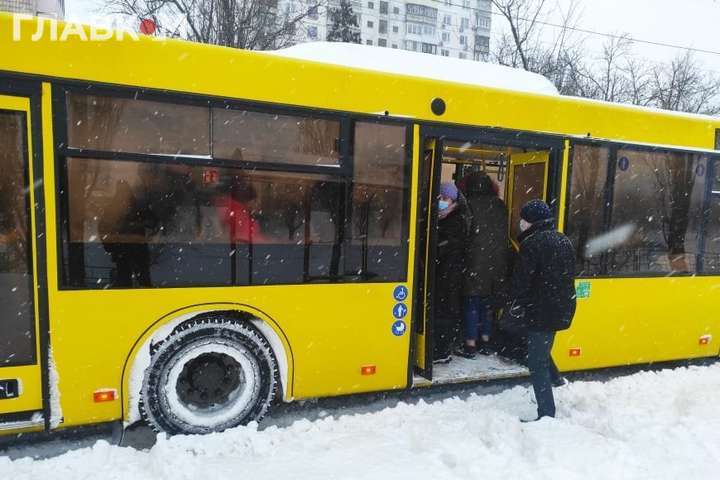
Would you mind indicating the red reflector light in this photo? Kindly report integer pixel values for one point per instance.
(575, 352)
(705, 339)
(367, 370)
(103, 396)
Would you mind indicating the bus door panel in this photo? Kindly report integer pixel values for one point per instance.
(20, 372)
(425, 270)
(527, 180)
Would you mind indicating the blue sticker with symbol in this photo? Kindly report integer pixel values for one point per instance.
(623, 163)
(400, 293)
(398, 328)
(400, 310)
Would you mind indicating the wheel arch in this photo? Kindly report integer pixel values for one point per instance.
(138, 357)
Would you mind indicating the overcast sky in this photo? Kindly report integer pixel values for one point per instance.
(691, 23)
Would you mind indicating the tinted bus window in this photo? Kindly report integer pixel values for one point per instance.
(17, 341)
(137, 126)
(586, 204)
(659, 197)
(711, 251)
(378, 249)
(133, 224)
(263, 137)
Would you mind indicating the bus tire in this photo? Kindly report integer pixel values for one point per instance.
(212, 373)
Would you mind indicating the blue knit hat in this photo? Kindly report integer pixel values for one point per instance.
(535, 211)
(449, 190)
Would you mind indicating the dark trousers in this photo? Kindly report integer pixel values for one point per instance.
(477, 317)
(543, 371)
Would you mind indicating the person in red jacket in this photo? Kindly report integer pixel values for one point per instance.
(235, 214)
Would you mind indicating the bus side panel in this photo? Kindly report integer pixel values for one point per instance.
(640, 320)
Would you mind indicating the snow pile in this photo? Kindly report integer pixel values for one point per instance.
(436, 67)
(652, 425)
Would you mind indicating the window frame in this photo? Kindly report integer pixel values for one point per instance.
(609, 193)
(344, 170)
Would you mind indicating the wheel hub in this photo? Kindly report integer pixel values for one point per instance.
(208, 380)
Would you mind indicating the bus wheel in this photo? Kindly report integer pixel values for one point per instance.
(210, 375)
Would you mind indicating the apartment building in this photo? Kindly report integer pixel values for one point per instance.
(451, 28)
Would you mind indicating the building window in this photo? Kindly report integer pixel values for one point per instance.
(370, 24)
(312, 32)
(371, 5)
(445, 37)
(411, 45)
(464, 23)
(447, 20)
(463, 40)
(445, 53)
(396, 10)
(382, 42)
(484, 22)
(482, 43)
(651, 208)
(368, 42)
(421, 11)
(395, 29)
(382, 26)
(383, 7)
(461, 55)
(313, 12)
(429, 48)
(394, 45)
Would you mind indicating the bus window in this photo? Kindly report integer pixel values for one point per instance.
(139, 224)
(264, 137)
(655, 219)
(17, 343)
(711, 253)
(138, 126)
(586, 204)
(660, 195)
(378, 246)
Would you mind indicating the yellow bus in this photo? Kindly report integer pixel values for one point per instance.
(191, 233)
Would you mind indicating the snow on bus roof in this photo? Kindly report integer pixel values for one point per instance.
(390, 60)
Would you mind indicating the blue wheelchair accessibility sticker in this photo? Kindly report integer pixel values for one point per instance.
(398, 328)
(400, 310)
(400, 293)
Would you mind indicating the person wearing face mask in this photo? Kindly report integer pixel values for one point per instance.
(542, 295)
(452, 233)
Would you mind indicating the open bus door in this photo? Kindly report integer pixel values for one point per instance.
(21, 398)
(527, 180)
(425, 263)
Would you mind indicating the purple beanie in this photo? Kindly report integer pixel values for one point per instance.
(449, 190)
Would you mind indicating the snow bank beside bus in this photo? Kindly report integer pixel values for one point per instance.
(663, 425)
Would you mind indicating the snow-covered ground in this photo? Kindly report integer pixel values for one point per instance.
(650, 425)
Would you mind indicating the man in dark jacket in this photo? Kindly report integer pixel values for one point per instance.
(452, 231)
(543, 288)
(486, 261)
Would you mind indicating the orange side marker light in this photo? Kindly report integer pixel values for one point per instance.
(705, 340)
(575, 352)
(105, 395)
(367, 370)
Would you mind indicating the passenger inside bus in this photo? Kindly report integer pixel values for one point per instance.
(452, 233)
(480, 172)
(487, 255)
